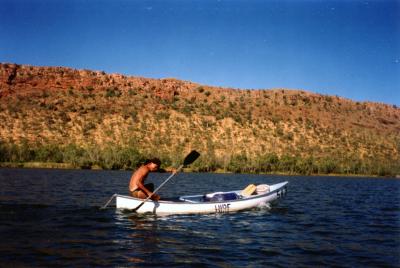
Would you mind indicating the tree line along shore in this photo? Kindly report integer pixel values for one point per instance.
(72, 156)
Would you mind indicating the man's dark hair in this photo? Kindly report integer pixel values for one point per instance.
(153, 160)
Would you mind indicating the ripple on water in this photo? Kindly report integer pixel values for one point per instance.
(323, 221)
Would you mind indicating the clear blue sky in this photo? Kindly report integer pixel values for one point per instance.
(345, 48)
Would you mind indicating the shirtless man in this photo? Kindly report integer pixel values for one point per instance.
(136, 185)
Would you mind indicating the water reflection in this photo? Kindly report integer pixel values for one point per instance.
(140, 226)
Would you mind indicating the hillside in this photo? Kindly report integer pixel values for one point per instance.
(91, 118)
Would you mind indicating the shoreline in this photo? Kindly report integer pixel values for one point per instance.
(52, 165)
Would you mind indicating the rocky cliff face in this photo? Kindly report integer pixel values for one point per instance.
(56, 105)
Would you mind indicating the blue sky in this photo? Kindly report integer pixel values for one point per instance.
(345, 48)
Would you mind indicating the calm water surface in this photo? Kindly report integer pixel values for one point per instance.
(52, 218)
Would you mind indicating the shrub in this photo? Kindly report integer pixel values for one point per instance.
(87, 127)
(237, 118)
(289, 136)
(287, 163)
(49, 153)
(45, 94)
(118, 157)
(162, 115)
(237, 163)
(326, 166)
(134, 115)
(73, 154)
(305, 166)
(219, 116)
(279, 132)
(187, 110)
(131, 92)
(268, 162)
(113, 92)
(275, 119)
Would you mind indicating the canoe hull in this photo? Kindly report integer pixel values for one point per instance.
(169, 207)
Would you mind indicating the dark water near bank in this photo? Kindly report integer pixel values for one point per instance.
(52, 218)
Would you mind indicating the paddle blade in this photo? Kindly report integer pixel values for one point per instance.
(190, 158)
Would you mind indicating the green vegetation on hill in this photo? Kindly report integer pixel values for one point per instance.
(117, 157)
(86, 118)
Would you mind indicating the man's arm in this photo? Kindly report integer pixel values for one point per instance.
(141, 186)
(140, 176)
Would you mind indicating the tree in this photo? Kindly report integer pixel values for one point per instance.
(238, 163)
(268, 162)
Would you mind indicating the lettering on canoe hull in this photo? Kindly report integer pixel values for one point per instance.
(222, 208)
(281, 192)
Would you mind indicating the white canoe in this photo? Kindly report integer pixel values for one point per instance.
(196, 205)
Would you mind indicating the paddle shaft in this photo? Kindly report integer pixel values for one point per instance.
(158, 188)
(108, 202)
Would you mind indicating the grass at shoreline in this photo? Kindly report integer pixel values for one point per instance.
(37, 165)
(73, 156)
(53, 165)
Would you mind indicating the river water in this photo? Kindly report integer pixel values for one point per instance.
(52, 218)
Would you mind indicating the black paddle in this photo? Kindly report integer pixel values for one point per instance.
(190, 158)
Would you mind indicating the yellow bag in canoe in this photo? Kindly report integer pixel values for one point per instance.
(249, 190)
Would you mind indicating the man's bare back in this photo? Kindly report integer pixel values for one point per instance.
(138, 178)
(136, 184)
